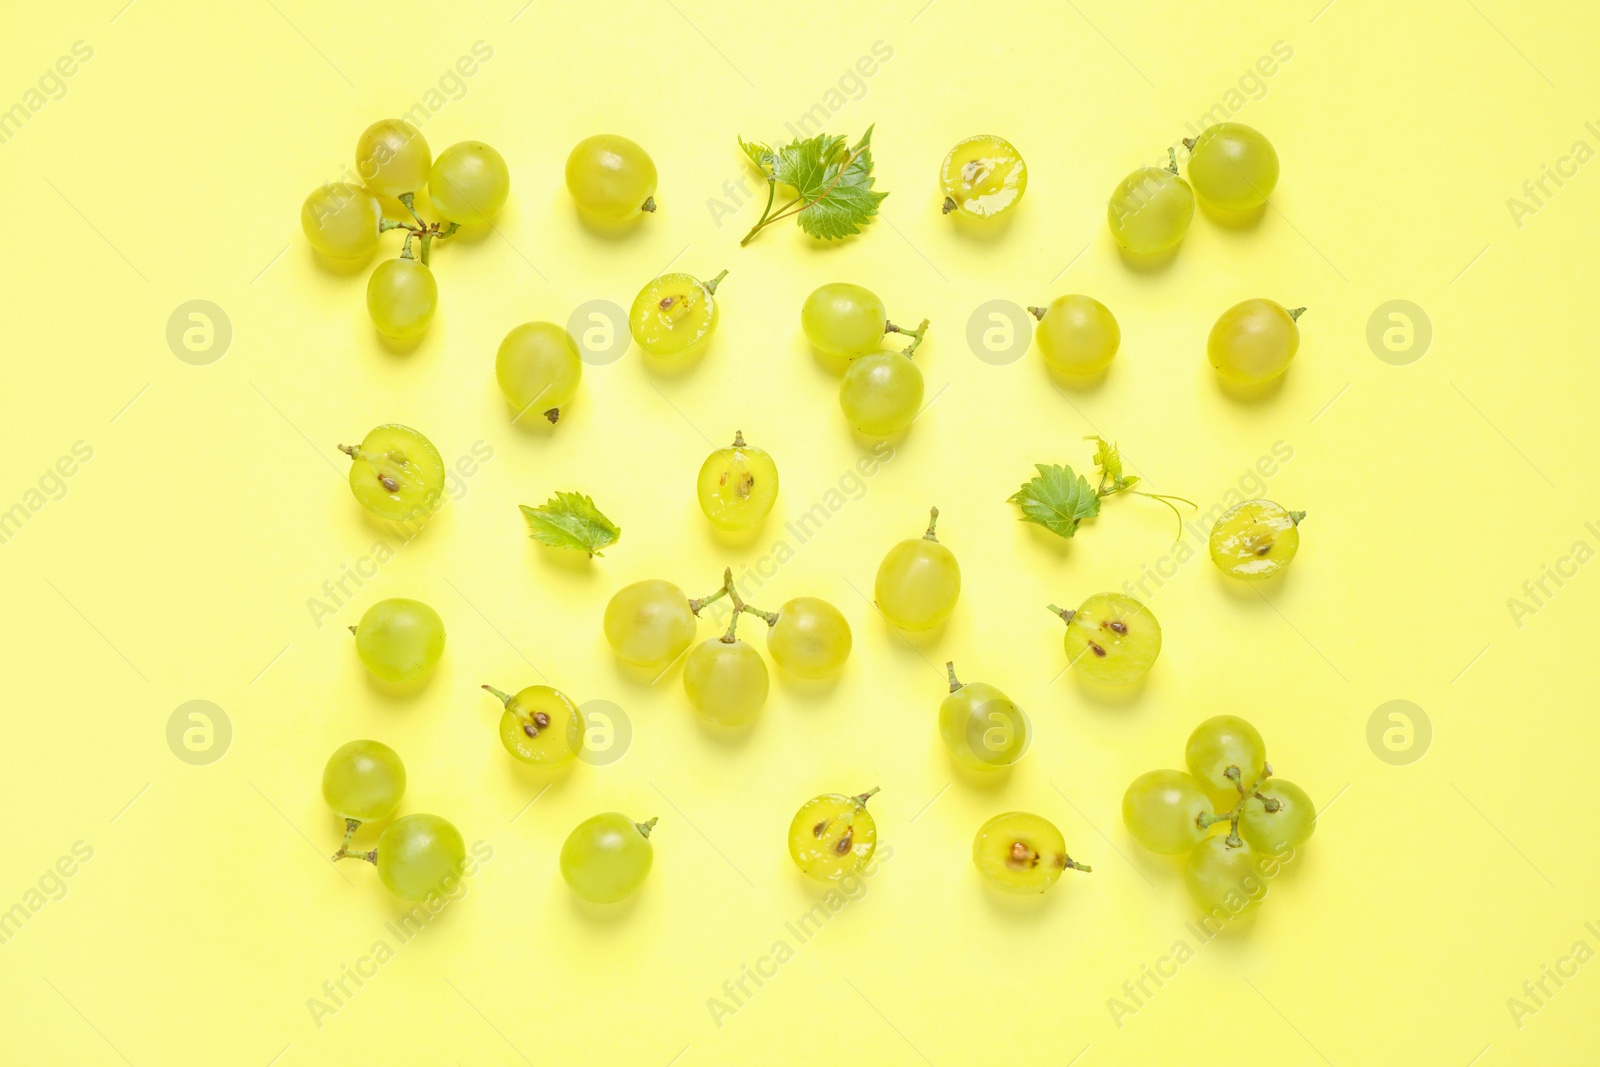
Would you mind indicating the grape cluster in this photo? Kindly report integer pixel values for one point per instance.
(416, 855)
(1229, 787)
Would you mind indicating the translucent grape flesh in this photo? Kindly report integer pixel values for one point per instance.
(832, 836)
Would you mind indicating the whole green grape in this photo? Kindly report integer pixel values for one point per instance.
(1222, 876)
(1277, 817)
(1019, 852)
(1162, 810)
(341, 220)
(675, 314)
(881, 393)
(844, 320)
(1255, 539)
(1220, 743)
(918, 581)
(833, 835)
(363, 780)
(419, 855)
(1232, 166)
(983, 177)
(1150, 210)
(396, 473)
(737, 485)
(401, 298)
(400, 640)
(611, 177)
(469, 183)
(649, 623)
(607, 857)
(726, 681)
(1111, 639)
(809, 638)
(1077, 335)
(981, 727)
(540, 725)
(393, 158)
(538, 368)
(1254, 341)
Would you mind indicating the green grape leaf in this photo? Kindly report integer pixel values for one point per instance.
(761, 155)
(1058, 499)
(832, 182)
(1109, 462)
(570, 520)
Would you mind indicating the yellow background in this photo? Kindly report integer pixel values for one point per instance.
(180, 561)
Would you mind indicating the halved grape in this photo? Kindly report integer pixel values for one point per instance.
(833, 835)
(396, 473)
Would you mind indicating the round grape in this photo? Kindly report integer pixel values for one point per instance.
(881, 393)
(983, 177)
(396, 473)
(981, 727)
(1232, 166)
(400, 640)
(341, 220)
(538, 368)
(844, 320)
(1255, 539)
(1254, 341)
(419, 855)
(1019, 852)
(918, 581)
(1150, 210)
(649, 623)
(393, 158)
(833, 835)
(737, 485)
(611, 178)
(810, 638)
(1225, 877)
(364, 780)
(401, 298)
(1162, 810)
(1221, 743)
(469, 183)
(1077, 335)
(1277, 818)
(726, 681)
(607, 857)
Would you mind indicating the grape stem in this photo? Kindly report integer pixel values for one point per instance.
(950, 669)
(1066, 616)
(915, 335)
(1172, 160)
(649, 204)
(345, 852)
(426, 232)
(1233, 775)
(645, 827)
(1068, 863)
(727, 590)
(862, 798)
(1295, 313)
(768, 217)
(711, 286)
(933, 520)
(504, 698)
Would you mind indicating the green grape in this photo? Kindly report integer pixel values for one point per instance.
(401, 298)
(1255, 539)
(363, 780)
(844, 320)
(1019, 852)
(649, 623)
(341, 220)
(1077, 334)
(607, 857)
(538, 367)
(1230, 878)
(918, 581)
(1111, 639)
(737, 485)
(400, 640)
(675, 314)
(469, 183)
(833, 835)
(1162, 810)
(393, 158)
(540, 725)
(1150, 210)
(726, 681)
(1287, 825)
(809, 638)
(1253, 341)
(611, 178)
(419, 855)
(396, 473)
(981, 727)
(1221, 743)
(982, 177)
(881, 393)
(1232, 166)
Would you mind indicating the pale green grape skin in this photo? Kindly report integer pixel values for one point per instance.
(363, 780)
(726, 681)
(1233, 166)
(400, 640)
(396, 473)
(649, 623)
(982, 728)
(1220, 742)
(1275, 832)
(983, 177)
(811, 638)
(393, 158)
(1254, 341)
(611, 177)
(420, 855)
(1150, 211)
(607, 857)
(341, 220)
(674, 315)
(833, 835)
(401, 298)
(737, 486)
(844, 320)
(1078, 335)
(1161, 809)
(538, 367)
(1223, 877)
(881, 393)
(918, 584)
(1019, 852)
(1112, 639)
(469, 183)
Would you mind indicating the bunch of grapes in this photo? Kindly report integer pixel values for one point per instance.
(1237, 822)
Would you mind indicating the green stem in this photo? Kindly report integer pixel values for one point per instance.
(933, 520)
(950, 669)
(790, 209)
(915, 335)
(1172, 160)
(1295, 313)
(1297, 517)
(504, 698)
(1069, 862)
(711, 286)
(771, 617)
(1066, 616)
(862, 798)
(410, 201)
(645, 827)
(772, 191)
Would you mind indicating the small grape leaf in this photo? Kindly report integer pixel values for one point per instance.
(841, 195)
(570, 520)
(1109, 462)
(1058, 499)
(761, 155)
